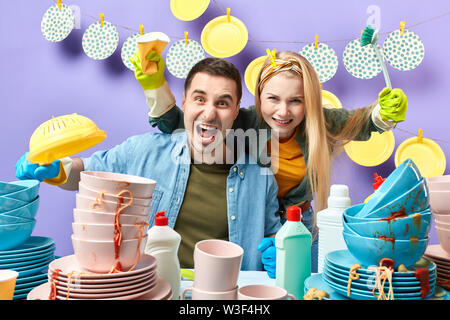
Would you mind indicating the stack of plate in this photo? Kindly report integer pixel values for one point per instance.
(405, 284)
(72, 282)
(441, 258)
(30, 260)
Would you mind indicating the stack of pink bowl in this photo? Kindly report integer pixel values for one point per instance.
(439, 188)
(68, 280)
(111, 220)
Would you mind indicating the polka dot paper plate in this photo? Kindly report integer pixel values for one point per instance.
(323, 59)
(372, 152)
(188, 10)
(129, 47)
(361, 62)
(99, 42)
(181, 57)
(403, 52)
(57, 23)
(252, 73)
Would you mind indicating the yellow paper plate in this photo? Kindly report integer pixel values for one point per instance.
(223, 39)
(372, 152)
(252, 72)
(63, 136)
(426, 154)
(329, 100)
(188, 10)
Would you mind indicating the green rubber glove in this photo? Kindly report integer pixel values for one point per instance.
(393, 104)
(149, 82)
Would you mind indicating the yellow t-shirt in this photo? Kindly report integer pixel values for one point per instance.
(288, 165)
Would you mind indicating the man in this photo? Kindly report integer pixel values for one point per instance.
(203, 196)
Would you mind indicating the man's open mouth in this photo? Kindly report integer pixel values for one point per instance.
(207, 132)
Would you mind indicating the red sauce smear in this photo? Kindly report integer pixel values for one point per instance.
(395, 215)
(387, 262)
(53, 283)
(423, 275)
(386, 238)
(117, 234)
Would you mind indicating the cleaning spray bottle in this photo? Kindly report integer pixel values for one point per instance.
(329, 222)
(163, 243)
(293, 260)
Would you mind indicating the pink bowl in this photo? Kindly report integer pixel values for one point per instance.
(444, 238)
(439, 186)
(99, 256)
(94, 217)
(84, 190)
(116, 182)
(442, 218)
(87, 203)
(438, 179)
(105, 232)
(439, 201)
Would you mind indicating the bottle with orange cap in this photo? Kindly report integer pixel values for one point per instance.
(293, 259)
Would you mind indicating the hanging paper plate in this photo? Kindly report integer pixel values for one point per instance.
(57, 23)
(129, 47)
(188, 10)
(425, 153)
(222, 38)
(252, 73)
(99, 42)
(403, 52)
(372, 152)
(181, 57)
(361, 62)
(323, 59)
(330, 101)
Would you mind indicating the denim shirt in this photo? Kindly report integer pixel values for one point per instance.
(251, 190)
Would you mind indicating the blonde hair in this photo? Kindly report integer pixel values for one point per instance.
(321, 143)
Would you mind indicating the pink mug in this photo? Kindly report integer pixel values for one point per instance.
(216, 265)
(198, 294)
(263, 292)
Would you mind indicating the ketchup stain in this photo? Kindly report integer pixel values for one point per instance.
(53, 284)
(423, 275)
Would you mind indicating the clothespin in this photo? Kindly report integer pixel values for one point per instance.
(316, 41)
(141, 29)
(402, 27)
(102, 18)
(186, 39)
(59, 4)
(419, 135)
(228, 15)
(271, 57)
(362, 31)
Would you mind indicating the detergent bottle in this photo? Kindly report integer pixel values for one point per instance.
(163, 243)
(293, 259)
(329, 222)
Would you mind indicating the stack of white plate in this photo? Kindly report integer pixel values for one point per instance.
(67, 280)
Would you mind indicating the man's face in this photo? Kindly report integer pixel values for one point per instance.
(210, 107)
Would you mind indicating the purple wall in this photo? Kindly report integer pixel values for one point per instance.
(40, 79)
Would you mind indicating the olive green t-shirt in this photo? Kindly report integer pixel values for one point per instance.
(203, 214)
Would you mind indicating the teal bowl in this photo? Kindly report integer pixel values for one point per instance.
(12, 220)
(405, 176)
(27, 194)
(13, 235)
(14, 186)
(28, 211)
(369, 251)
(414, 225)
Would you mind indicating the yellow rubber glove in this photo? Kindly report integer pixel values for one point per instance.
(393, 104)
(149, 82)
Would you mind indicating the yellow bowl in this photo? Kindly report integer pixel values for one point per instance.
(63, 136)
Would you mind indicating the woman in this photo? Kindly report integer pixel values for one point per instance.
(288, 103)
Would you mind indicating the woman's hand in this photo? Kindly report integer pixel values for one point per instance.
(393, 104)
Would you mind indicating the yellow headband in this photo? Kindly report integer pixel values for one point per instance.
(281, 65)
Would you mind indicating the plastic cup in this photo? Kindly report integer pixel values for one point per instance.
(7, 284)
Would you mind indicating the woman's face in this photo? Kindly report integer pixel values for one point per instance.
(282, 103)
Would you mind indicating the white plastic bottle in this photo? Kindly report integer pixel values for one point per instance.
(329, 222)
(163, 243)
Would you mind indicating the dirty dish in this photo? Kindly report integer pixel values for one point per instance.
(105, 232)
(27, 194)
(105, 206)
(85, 190)
(28, 211)
(94, 217)
(13, 235)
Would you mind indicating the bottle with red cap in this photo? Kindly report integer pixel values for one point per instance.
(293, 262)
(163, 243)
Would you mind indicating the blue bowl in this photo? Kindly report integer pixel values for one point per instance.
(8, 204)
(9, 187)
(28, 211)
(13, 235)
(405, 176)
(414, 225)
(27, 194)
(12, 220)
(369, 251)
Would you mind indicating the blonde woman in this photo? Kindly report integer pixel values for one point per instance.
(288, 103)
